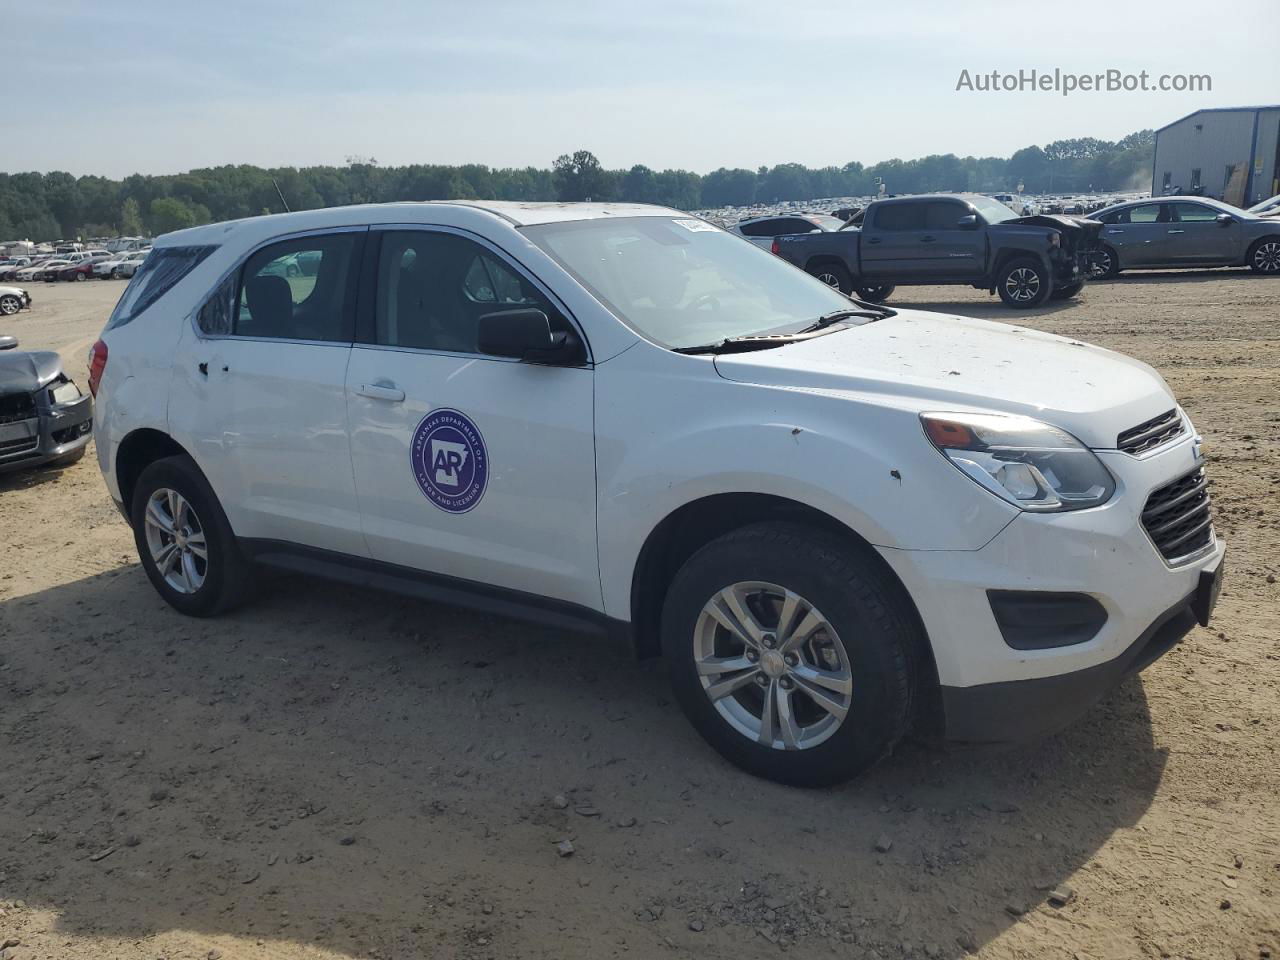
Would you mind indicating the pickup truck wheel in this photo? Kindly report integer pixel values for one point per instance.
(1024, 284)
(184, 540)
(790, 653)
(1264, 256)
(1067, 292)
(1105, 263)
(876, 294)
(833, 275)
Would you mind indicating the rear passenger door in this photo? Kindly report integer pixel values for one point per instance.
(469, 466)
(1140, 235)
(259, 392)
(892, 243)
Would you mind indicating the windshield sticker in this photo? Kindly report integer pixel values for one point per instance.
(695, 226)
(449, 460)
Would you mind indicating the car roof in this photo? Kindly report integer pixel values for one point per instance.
(514, 212)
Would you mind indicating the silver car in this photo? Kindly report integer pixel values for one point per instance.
(1184, 232)
(762, 230)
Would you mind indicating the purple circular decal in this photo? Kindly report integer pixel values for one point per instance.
(449, 460)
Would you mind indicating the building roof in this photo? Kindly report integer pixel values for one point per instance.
(1254, 109)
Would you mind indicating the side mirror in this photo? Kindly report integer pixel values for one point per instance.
(1225, 219)
(968, 222)
(8, 343)
(526, 335)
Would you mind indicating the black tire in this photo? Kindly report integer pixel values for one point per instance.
(226, 571)
(1067, 292)
(9, 305)
(1264, 257)
(833, 275)
(1105, 263)
(1024, 283)
(874, 629)
(79, 276)
(878, 294)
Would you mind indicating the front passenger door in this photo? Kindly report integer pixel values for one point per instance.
(1196, 236)
(469, 466)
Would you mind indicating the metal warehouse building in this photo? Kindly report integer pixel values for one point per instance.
(1231, 153)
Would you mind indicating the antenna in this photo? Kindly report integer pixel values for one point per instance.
(280, 195)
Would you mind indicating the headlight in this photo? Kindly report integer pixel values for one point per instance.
(65, 392)
(1029, 463)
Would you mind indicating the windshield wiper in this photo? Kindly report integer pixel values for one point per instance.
(753, 342)
(835, 316)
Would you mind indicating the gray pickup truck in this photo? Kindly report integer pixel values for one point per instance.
(950, 239)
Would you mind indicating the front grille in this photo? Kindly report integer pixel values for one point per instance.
(1177, 518)
(17, 406)
(18, 448)
(1151, 433)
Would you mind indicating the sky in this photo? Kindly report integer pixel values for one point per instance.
(162, 87)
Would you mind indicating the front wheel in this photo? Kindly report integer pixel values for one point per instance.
(789, 651)
(1024, 284)
(834, 275)
(9, 305)
(1264, 256)
(184, 540)
(1067, 292)
(877, 294)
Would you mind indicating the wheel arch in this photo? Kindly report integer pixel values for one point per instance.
(138, 450)
(689, 527)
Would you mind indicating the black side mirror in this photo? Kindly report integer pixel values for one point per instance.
(968, 222)
(525, 334)
(1225, 219)
(8, 343)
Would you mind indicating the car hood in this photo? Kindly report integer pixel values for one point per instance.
(16, 291)
(22, 371)
(1071, 224)
(929, 361)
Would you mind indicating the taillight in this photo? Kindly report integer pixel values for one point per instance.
(773, 248)
(97, 363)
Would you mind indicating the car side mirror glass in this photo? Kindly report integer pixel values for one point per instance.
(8, 343)
(1225, 219)
(526, 335)
(968, 222)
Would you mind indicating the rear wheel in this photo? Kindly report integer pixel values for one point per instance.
(789, 651)
(833, 275)
(1024, 283)
(876, 294)
(1067, 292)
(184, 540)
(1264, 256)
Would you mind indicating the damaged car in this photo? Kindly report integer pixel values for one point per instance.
(44, 418)
(964, 239)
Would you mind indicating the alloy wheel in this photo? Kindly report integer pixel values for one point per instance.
(175, 538)
(1022, 284)
(9, 305)
(1267, 257)
(772, 665)
(830, 279)
(1101, 263)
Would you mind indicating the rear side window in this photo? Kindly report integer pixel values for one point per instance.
(299, 289)
(900, 216)
(161, 270)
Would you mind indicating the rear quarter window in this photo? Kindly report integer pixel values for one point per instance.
(155, 277)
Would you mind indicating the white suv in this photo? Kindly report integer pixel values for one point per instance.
(834, 520)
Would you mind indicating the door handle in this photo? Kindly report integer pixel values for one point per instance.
(928, 239)
(386, 390)
(1109, 232)
(874, 240)
(1177, 231)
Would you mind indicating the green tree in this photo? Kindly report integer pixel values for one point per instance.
(130, 218)
(169, 214)
(579, 176)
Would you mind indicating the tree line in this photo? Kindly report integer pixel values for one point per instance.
(57, 205)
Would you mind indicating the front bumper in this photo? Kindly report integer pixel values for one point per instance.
(54, 433)
(1103, 554)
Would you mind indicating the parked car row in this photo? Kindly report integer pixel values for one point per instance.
(76, 265)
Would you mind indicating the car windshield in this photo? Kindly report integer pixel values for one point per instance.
(681, 282)
(993, 211)
(1265, 205)
(826, 223)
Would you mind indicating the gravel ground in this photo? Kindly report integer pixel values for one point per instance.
(336, 773)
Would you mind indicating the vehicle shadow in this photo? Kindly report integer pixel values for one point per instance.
(336, 768)
(31, 477)
(1187, 276)
(987, 308)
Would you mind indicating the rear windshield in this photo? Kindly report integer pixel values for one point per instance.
(162, 268)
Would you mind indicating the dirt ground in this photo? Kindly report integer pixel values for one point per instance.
(335, 773)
